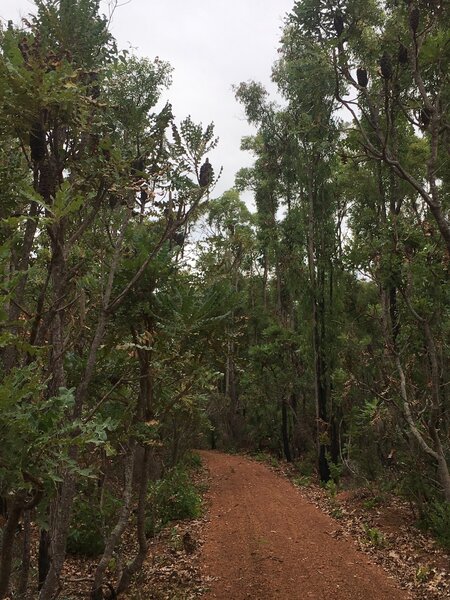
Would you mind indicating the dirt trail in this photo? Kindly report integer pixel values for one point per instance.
(265, 542)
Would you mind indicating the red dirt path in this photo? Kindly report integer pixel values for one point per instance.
(265, 542)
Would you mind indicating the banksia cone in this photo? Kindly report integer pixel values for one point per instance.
(37, 142)
(414, 18)
(206, 174)
(402, 54)
(338, 22)
(362, 77)
(386, 66)
(424, 118)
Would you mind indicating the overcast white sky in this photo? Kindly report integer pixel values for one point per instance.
(211, 45)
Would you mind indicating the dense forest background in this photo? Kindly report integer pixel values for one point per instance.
(142, 317)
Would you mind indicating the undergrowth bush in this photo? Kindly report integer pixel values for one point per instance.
(90, 523)
(193, 461)
(86, 535)
(306, 464)
(172, 498)
(437, 521)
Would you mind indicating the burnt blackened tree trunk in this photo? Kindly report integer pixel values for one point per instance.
(317, 306)
(285, 429)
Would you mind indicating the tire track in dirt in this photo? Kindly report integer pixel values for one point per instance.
(265, 542)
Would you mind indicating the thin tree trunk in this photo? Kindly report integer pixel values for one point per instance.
(9, 533)
(19, 505)
(265, 278)
(26, 556)
(320, 393)
(43, 557)
(437, 453)
(58, 536)
(136, 564)
(144, 413)
(121, 524)
(285, 430)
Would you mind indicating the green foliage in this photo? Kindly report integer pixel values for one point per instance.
(192, 461)
(172, 498)
(33, 439)
(91, 522)
(336, 470)
(374, 502)
(423, 573)
(302, 480)
(97, 190)
(296, 325)
(331, 488)
(306, 465)
(374, 536)
(134, 89)
(266, 457)
(437, 520)
(85, 537)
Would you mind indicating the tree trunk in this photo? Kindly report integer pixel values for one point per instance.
(319, 383)
(121, 524)
(136, 564)
(58, 536)
(26, 556)
(43, 557)
(443, 471)
(285, 430)
(9, 533)
(63, 503)
(144, 413)
(19, 505)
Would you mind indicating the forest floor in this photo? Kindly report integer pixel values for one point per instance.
(261, 537)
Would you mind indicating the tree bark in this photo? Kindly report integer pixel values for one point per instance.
(9, 533)
(43, 557)
(26, 556)
(19, 504)
(121, 524)
(285, 430)
(58, 535)
(136, 564)
(320, 392)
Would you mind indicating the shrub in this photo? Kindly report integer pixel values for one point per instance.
(301, 481)
(172, 498)
(437, 520)
(331, 488)
(335, 470)
(374, 536)
(85, 535)
(193, 461)
(90, 523)
(306, 465)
